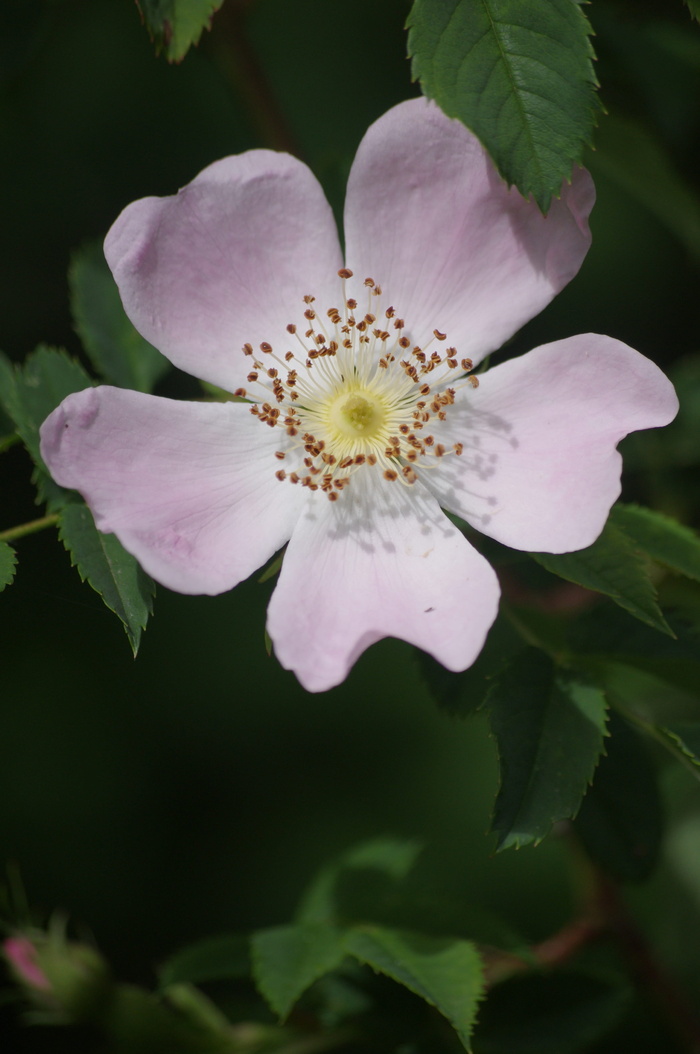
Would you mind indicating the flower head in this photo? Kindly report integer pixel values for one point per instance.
(359, 416)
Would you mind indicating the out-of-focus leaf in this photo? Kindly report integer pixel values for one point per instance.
(8, 561)
(288, 959)
(606, 636)
(678, 442)
(549, 729)
(446, 973)
(463, 694)
(621, 822)
(694, 8)
(388, 856)
(7, 384)
(216, 958)
(519, 73)
(102, 561)
(613, 565)
(174, 25)
(662, 538)
(117, 351)
(558, 1013)
(636, 160)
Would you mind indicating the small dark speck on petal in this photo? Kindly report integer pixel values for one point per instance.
(428, 610)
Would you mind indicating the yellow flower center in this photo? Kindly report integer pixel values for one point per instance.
(357, 394)
(357, 415)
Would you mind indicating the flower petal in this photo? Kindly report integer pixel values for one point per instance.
(429, 218)
(540, 470)
(225, 261)
(188, 488)
(381, 561)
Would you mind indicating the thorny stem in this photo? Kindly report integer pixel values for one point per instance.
(12, 533)
(605, 915)
(648, 973)
(242, 67)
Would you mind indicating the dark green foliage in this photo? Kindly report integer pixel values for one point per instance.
(175, 25)
(549, 727)
(519, 73)
(102, 561)
(615, 566)
(621, 820)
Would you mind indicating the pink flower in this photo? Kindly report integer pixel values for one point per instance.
(21, 954)
(363, 417)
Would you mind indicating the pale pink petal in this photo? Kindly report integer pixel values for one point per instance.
(540, 470)
(381, 561)
(226, 261)
(428, 217)
(188, 488)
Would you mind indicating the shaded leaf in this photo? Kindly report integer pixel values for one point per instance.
(694, 8)
(445, 972)
(115, 574)
(638, 161)
(621, 822)
(288, 959)
(606, 638)
(614, 566)
(8, 561)
(116, 349)
(519, 73)
(388, 856)
(31, 391)
(223, 957)
(174, 25)
(549, 729)
(557, 1013)
(683, 737)
(662, 538)
(463, 694)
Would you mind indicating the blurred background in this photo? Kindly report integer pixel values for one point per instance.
(197, 788)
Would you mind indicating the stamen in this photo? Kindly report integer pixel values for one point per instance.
(354, 395)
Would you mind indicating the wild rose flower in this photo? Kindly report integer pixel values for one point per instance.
(362, 416)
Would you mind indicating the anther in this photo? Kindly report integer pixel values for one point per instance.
(344, 272)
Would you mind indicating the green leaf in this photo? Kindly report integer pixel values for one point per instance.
(31, 391)
(391, 857)
(288, 959)
(117, 351)
(519, 73)
(8, 560)
(683, 738)
(621, 822)
(102, 561)
(605, 640)
(613, 565)
(557, 1013)
(445, 972)
(217, 958)
(549, 729)
(662, 538)
(174, 25)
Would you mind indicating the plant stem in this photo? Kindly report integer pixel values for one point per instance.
(12, 533)
(243, 68)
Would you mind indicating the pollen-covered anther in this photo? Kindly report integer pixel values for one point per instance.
(353, 396)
